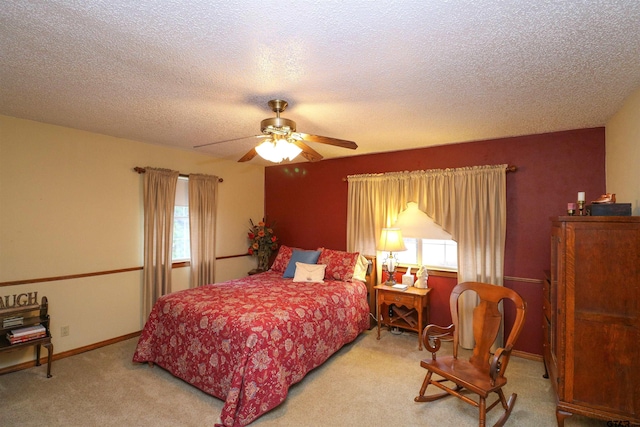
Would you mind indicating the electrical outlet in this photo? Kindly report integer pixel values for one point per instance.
(64, 331)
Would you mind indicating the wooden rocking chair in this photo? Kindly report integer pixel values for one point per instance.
(483, 373)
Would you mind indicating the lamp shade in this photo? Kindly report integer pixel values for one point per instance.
(391, 240)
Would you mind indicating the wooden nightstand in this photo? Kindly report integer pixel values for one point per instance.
(409, 309)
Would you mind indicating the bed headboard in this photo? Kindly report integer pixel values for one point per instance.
(372, 280)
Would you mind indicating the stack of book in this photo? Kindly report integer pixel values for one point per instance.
(26, 334)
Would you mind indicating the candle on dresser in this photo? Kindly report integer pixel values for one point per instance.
(581, 203)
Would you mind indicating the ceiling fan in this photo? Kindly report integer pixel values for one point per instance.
(282, 141)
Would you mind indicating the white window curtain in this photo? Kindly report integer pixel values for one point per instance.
(203, 202)
(159, 201)
(468, 203)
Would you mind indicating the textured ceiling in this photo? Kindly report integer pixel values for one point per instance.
(388, 75)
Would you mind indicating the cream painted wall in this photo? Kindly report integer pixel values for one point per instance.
(622, 135)
(71, 204)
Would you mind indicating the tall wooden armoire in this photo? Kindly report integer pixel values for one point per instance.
(591, 317)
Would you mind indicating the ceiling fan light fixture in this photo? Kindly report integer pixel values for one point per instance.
(282, 141)
(277, 150)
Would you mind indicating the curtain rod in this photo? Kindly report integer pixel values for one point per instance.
(143, 170)
(509, 168)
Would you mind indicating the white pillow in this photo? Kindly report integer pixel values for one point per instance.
(309, 272)
(360, 271)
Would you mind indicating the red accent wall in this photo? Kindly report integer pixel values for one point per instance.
(308, 201)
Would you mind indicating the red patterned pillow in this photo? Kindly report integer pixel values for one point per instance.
(282, 259)
(340, 264)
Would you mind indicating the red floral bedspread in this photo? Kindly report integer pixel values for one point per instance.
(246, 341)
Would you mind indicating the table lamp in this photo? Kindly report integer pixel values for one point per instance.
(391, 241)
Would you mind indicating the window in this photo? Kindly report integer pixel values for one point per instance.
(181, 250)
(434, 253)
(427, 243)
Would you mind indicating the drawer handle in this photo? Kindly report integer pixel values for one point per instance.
(396, 298)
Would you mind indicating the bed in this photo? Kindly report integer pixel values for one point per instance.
(248, 340)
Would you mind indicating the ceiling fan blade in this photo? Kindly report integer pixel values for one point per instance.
(229, 140)
(307, 152)
(250, 155)
(326, 140)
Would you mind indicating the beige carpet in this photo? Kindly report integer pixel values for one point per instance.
(367, 383)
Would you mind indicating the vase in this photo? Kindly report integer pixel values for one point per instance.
(263, 261)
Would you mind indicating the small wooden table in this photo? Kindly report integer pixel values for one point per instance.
(255, 271)
(407, 309)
